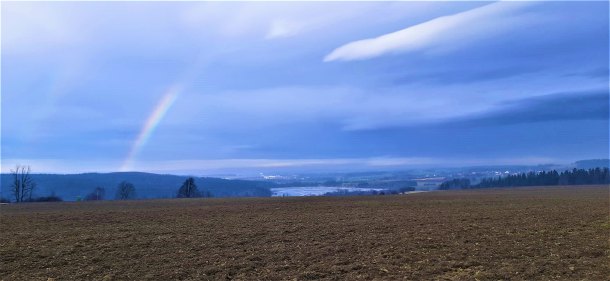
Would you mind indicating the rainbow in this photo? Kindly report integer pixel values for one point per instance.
(150, 125)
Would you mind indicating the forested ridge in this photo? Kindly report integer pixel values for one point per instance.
(544, 178)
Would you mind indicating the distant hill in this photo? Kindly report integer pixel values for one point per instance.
(70, 187)
(593, 163)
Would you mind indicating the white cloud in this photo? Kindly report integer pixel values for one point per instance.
(283, 28)
(60, 166)
(298, 18)
(35, 27)
(452, 29)
(351, 108)
(253, 20)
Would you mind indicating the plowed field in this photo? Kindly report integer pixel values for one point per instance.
(547, 233)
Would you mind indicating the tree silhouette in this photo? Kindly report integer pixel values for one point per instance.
(125, 191)
(188, 189)
(23, 185)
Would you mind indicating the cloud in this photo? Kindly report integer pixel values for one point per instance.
(343, 108)
(465, 75)
(293, 19)
(261, 91)
(583, 105)
(276, 20)
(366, 163)
(256, 165)
(356, 109)
(451, 29)
(58, 165)
(283, 28)
(347, 107)
(36, 28)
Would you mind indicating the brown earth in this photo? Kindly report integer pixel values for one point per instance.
(552, 233)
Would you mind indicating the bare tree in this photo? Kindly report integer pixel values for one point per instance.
(23, 184)
(188, 189)
(125, 191)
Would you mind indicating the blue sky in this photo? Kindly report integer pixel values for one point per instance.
(207, 87)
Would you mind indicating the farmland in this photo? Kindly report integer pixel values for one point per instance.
(546, 233)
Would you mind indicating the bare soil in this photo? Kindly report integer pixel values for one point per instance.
(546, 233)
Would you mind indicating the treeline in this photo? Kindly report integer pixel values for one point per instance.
(149, 186)
(50, 198)
(23, 187)
(127, 191)
(346, 192)
(455, 184)
(573, 177)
